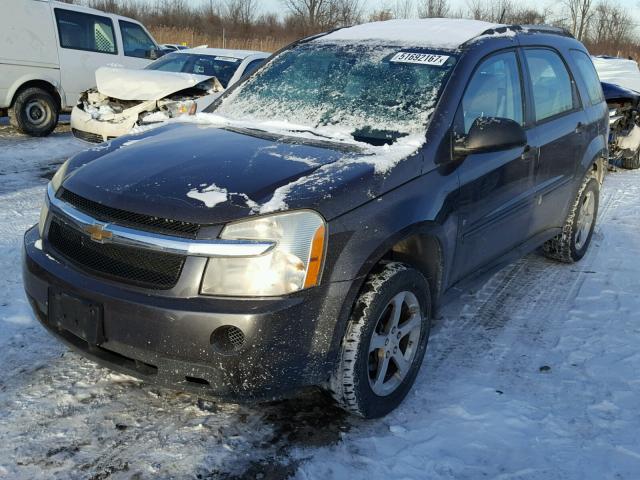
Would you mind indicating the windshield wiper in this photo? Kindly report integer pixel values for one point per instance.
(377, 137)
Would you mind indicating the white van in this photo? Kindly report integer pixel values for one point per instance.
(49, 52)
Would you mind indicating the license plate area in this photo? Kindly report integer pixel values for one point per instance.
(81, 317)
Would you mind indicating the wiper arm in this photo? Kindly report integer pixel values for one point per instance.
(375, 137)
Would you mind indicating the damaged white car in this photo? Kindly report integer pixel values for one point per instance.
(180, 83)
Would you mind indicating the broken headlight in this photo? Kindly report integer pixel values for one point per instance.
(176, 109)
(294, 263)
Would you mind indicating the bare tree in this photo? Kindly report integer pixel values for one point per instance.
(311, 13)
(381, 15)
(580, 13)
(402, 9)
(610, 26)
(434, 9)
(343, 13)
(241, 12)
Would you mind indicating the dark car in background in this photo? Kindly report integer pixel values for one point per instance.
(305, 230)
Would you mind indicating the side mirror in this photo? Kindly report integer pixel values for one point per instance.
(490, 134)
(154, 54)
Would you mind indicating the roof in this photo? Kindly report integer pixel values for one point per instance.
(224, 52)
(447, 33)
(85, 9)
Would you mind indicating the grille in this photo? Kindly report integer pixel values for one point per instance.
(134, 266)
(86, 136)
(135, 220)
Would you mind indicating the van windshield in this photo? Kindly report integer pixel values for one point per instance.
(365, 90)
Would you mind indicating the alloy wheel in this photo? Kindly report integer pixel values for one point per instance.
(586, 213)
(394, 343)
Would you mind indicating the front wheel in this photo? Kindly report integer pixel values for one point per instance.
(385, 342)
(572, 244)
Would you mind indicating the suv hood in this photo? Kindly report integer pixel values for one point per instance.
(211, 175)
(143, 85)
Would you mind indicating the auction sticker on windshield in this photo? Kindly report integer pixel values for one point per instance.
(421, 58)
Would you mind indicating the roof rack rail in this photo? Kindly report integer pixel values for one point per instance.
(523, 29)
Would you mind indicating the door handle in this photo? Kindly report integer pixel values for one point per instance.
(579, 127)
(530, 153)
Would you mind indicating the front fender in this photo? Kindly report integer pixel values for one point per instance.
(50, 78)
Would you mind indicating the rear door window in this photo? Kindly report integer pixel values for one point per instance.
(494, 91)
(551, 83)
(589, 75)
(82, 31)
(135, 41)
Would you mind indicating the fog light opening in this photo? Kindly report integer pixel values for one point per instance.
(227, 339)
(199, 381)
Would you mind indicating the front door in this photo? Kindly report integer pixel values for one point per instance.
(496, 189)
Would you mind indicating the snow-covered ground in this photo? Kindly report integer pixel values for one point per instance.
(534, 376)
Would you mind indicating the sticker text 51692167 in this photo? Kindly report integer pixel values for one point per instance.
(421, 58)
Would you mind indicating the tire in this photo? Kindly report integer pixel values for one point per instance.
(572, 244)
(633, 162)
(359, 385)
(34, 112)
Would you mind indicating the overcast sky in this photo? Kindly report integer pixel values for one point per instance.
(277, 5)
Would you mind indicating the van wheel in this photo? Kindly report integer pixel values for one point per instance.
(34, 112)
(572, 244)
(385, 342)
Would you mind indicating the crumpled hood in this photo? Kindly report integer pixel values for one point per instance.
(210, 175)
(143, 85)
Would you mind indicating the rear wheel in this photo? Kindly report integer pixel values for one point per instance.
(632, 162)
(385, 342)
(572, 244)
(34, 112)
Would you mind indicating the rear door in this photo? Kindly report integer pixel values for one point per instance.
(87, 42)
(561, 130)
(496, 188)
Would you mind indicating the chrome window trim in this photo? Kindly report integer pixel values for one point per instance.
(152, 241)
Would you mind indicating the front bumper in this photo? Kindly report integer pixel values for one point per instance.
(166, 337)
(86, 128)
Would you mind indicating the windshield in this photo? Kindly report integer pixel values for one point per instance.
(220, 67)
(366, 90)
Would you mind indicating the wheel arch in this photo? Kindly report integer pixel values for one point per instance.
(420, 246)
(595, 159)
(37, 83)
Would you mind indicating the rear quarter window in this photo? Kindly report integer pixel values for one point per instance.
(588, 73)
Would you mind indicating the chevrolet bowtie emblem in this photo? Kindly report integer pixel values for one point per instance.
(98, 232)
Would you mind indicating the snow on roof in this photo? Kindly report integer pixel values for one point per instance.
(224, 52)
(620, 71)
(448, 33)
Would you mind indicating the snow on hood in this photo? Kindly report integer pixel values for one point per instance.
(432, 32)
(619, 71)
(143, 85)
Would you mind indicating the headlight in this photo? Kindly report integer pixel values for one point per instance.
(175, 109)
(293, 264)
(58, 178)
(44, 213)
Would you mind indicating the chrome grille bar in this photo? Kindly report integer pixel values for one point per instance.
(111, 233)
